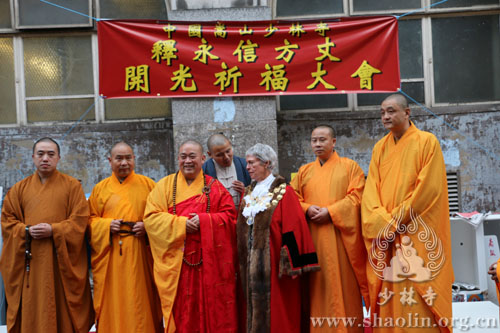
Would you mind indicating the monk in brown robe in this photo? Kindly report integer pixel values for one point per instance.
(44, 257)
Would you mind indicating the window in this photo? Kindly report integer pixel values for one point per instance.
(7, 82)
(464, 3)
(59, 79)
(133, 9)
(5, 21)
(36, 14)
(384, 5)
(466, 52)
(311, 7)
(130, 108)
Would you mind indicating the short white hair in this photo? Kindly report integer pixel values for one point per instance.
(265, 153)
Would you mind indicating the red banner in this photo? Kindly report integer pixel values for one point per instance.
(140, 58)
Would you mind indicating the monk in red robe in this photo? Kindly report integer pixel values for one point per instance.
(274, 248)
(125, 296)
(44, 257)
(190, 222)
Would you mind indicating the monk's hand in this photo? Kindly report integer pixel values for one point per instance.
(238, 186)
(114, 226)
(139, 229)
(323, 216)
(493, 272)
(41, 230)
(193, 223)
(312, 211)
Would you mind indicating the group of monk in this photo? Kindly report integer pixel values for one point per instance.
(226, 245)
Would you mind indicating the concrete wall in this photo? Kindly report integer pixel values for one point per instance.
(357, 132)
(85, 150)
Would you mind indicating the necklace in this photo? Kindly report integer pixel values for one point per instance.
(206, 191)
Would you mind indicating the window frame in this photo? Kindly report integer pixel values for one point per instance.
(18, 26)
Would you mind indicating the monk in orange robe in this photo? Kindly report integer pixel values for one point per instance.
(406, 227)
(329, 191)
(44, 257)
(190, 221)
(494, 272)
(125, 296)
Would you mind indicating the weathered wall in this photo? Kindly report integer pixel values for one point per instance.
(357, 132)
(85, 150)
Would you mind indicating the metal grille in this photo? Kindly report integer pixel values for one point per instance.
(56, 66)
(453, 191)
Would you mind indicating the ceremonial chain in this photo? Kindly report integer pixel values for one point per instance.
(206, 191)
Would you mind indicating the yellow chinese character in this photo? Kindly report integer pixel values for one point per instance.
(386, 295)
(164, 50)
(407, 297)
(169, 29)
(324, 50)
(274, 78)
(137, 78)
(318, 76)
(322, 28)
(365, 73)
(296, 30)
(180, 78)
(246, 52)
(194, 30)
(429, 296)
(225, 77)
(270, 30)
(220, 30)
(204, 52)
(245, 30)
(287, 53)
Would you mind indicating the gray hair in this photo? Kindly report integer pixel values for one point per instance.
(265, 153)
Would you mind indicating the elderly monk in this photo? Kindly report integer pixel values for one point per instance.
(230, 170)
(406, 227)
(274, 247)
(190, 221)
(44, 256)
(125, 296)
(330, 191)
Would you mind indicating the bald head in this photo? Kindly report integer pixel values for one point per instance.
(217, 140)
(193, 143)
(328, 128)
(122, 160)
(120, 145)
(399, 100)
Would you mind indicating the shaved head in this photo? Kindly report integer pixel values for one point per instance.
(217, 140)
(399, 99)
(50, 140)
(121, 144)
(192, 142)
(328, 128)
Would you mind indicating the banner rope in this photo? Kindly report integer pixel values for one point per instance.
(69, 10)
(78, 121)
(452, 127)
(421, 9)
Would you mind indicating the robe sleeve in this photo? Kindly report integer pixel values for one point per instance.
(100, 243)
(218, 242)
(166, 233)
(297, 183)
(297, 252)
(346, 217)
(13, 261)
(69, 242)
(429, 186)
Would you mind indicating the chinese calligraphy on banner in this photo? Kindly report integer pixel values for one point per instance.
(140, 58)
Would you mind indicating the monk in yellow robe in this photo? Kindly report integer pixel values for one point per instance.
(44, 257)
(494, 272)
(125, 296)
(406, 227)
(329, 191)
(190, 220)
